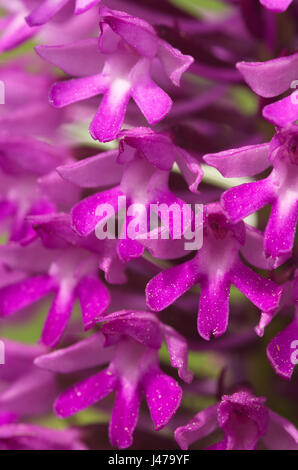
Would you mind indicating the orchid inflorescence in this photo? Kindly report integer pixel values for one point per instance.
(113, 106)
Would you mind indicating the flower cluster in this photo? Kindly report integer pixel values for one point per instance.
(163, 113)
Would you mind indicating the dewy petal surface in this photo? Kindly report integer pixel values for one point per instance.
(163, 396)
(169, 285)
(213, 312)
(125, 415)
(93, 172)
(78, 89)
(154, 103)
(94, 299)
(109, 118)
(240, 201)
(17, 296)
(84, 394)
(58, 317)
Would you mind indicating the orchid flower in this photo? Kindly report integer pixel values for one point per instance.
(129, 342)
(245, 421)
(118, 66)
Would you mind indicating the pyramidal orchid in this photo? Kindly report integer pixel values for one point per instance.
(215, 267)
(246, 423)
(140, 186)
(64, 267)
(118, 193)
(278, 189)
(117, 66)
(129, 342)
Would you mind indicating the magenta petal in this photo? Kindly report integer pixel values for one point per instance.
(85, 394)
(281, 434)
(7, 209)
(70, 57)
(110, 263)
(143, 327)
(276, 5)
(240, 201)
(84, 5)
(253, 250)
(139, 34)
(157, 148)
(19, 295)
(17, 397)
(109, 118)
(169, 285)
(27, 155)
(93, 172)
(30, 258)
(262, 292)
(264, 321)
(43, 13)
(178, 351)
(125, 415)
(84, 218)
(23, 436)
(200, 426)
(190, 169)
(129, 249)
(282, 350)
(58, 317)
(282, 112)
(163, 396)
(164, 249)
(245, 161)
(55, 231)
(94, 299)
(60, 193)
(89, 352)
(174, 63)
(213, 312)
(154, 103)
(78, 89)
(20, 358)
(270, 78)
(16, 32)
(243, 418)
(281, 227)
